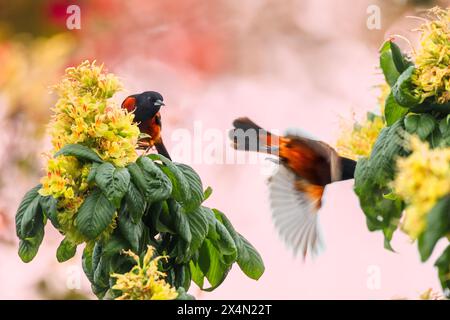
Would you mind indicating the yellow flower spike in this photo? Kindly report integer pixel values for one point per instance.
(358, 142)
(432, 74)
(422, 179)
(144, 282)
(83, 114)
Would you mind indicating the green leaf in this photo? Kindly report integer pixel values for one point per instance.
(195, 186)
(412, 123)
(131, 231)
(95, 215)
(86, 261)
(387, 64)
(198, 225)
(114, 182)
(180, 221)
(135, 203)
(372, 179)
(66, 250)
(426, 125)
(28, 247)
(225, 244)
(80, 152)
(207, 193)
(211, 265)
(28, 209)
(444, 126)
(249, 260)
(196, 274)
(438, 225)
(180, 190)
(403, 88)
(183, 295)
(182, 276)
(93, 172)
(401, 64)
(49, 208)
(153, 183)
(443, 265)
(115, 246)
(392, 110)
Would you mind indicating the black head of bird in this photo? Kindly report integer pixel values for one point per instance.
(144, 105)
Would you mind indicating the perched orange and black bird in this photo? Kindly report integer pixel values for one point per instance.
(306, 166)
(145, 107)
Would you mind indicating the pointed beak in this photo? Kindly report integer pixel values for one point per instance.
(159, 103)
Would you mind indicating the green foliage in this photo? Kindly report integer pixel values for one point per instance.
(392, 110)
(153, 201)
(438, 225)
(79, 151)
(405, 115)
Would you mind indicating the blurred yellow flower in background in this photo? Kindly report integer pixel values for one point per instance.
(144, 281)
(422, 179)
(432, 74)
(358, 142)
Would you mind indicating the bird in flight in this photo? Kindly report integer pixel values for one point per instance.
(305, 167)
(146, 108)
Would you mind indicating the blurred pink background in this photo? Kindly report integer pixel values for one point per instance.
(310, 64)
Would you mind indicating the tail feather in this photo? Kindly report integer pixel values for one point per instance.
(248, 136)
(161, 148)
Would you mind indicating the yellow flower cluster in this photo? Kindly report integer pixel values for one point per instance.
(144, 281)
(358, 142)
(432, 75)
(84, 114)
(422, 179)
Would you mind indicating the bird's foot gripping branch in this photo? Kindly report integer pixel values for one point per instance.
(145, 232)
(405, 180)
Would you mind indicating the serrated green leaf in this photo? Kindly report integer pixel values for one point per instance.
(180, 190)
(180, 221)
(373, 176)
(182, 276)
(402, 89)
(115, 245)
(156, 185)
(86, 261)
(443, 265)
(196, 274)
(438, 225)
(195, 186)
(392, 110)
(412, 123)
(93, 172)
(425, 126)
(79, 151)
(198, 225)
(249, 260)
(226, 243)
(66, 250)
(131, 231)
(387, 64)
(114, 182)
(135, 203)
(211, 265)
(95, 215)
(49, 208)
(28, 247)
(29, 207)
